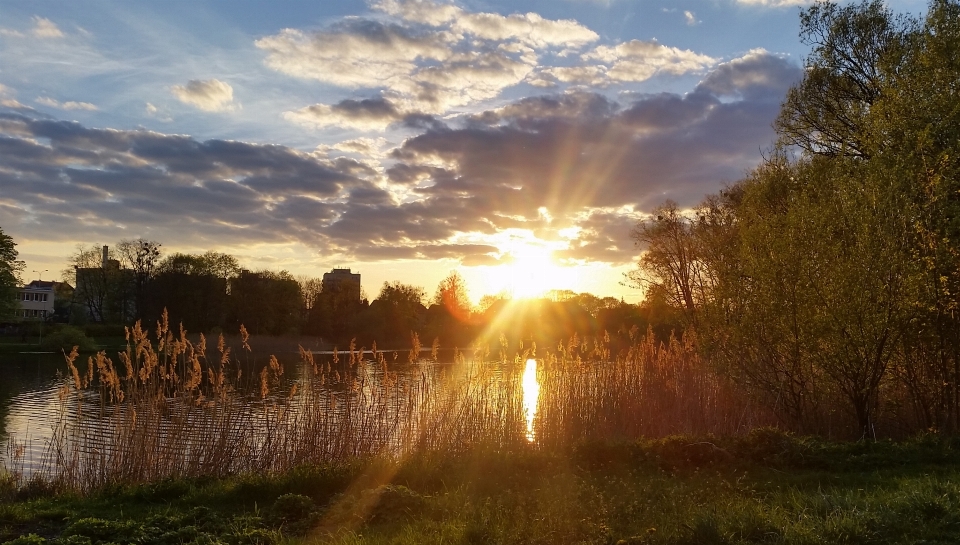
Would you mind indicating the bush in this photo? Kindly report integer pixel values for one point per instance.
(66, 337)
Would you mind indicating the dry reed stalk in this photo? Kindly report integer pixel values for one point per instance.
(177, 413)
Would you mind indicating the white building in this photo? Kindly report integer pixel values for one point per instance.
(36, 300)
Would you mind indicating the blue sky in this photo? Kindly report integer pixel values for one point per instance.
(517, 142)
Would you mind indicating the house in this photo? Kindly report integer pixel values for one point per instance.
(37, 300)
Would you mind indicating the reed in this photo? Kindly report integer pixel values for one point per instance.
(169, 407)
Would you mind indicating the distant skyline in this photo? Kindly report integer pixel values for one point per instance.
(516, 142)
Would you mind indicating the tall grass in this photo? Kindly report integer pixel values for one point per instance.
(170, 407)
(652, 390)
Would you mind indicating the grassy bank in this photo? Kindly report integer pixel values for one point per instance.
(764, 488)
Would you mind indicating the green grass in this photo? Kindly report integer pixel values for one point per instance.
(766, 488)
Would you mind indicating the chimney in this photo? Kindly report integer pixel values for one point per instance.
(105, 257)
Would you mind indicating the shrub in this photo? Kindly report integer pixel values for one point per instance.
(66, 337)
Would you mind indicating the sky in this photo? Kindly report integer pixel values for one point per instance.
(515, 142)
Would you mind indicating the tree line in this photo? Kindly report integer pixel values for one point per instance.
(827, 281)
(205, 291)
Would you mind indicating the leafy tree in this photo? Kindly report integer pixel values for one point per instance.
(452, 295)
(266, 302)
(856, 49)
(10, 269)
(450, 315)
(211, 263)
(396, 312)
(310, 288)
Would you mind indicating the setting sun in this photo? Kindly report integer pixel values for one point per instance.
(530, 273)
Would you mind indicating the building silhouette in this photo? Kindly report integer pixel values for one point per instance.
(342, 281)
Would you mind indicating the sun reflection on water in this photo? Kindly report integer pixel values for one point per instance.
(531, 394)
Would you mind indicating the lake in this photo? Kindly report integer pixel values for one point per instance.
(377, 396)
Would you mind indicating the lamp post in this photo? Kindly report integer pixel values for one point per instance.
(43, 312)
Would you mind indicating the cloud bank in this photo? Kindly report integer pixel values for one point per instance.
(574, 167)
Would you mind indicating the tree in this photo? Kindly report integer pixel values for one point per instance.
(671, 262)
(856, 52)
(452, 295)
(102, 288)
(211, 263)
(450, 315)
(396, 312)
(310, 288)
(266, 302)
(10, 269)
(142, 257)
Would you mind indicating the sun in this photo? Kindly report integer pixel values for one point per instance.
(530, 272)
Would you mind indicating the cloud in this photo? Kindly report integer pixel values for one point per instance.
(430, 57)
(529, 28)
(775, 3)
(757, 74)
(639, 60)
(367, 115)
(210, 95)
(45, 28)
(354, 53)
(690, 18)
(446, 192)
(69, 105)
(593, 76)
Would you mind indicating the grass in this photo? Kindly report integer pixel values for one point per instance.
(767, 487)
(175, 443)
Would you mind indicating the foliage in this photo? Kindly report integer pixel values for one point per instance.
(830, 279)
(65, 337)
(266, 302)
(218, 265)
(10, 269)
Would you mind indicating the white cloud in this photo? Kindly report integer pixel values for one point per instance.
(578, 75)
(639, 60)
(775, 3)
(355, 54)
(429, 57)
(690, 18)
(69, 105)
(10, 102)
(529, 28)
(209, 95)
(45, 28)
(432, 57)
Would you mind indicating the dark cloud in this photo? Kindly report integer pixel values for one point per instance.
(571, 152)
(373, 108)
(603, 236)
(755, 76)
